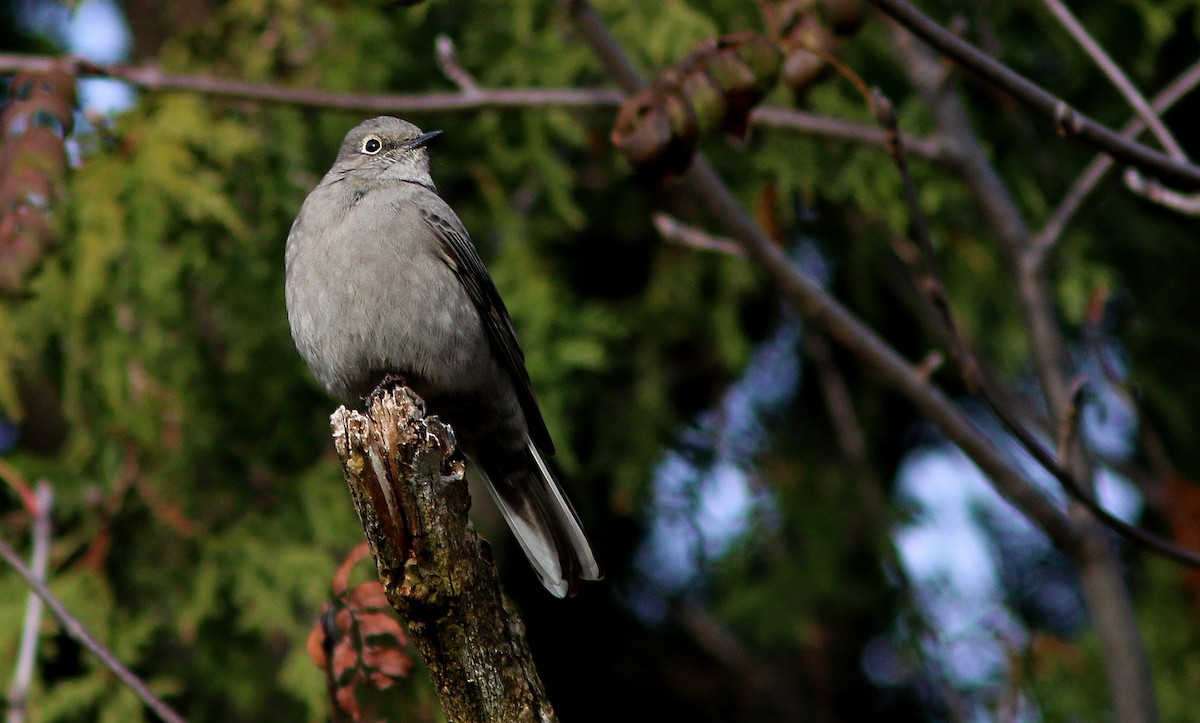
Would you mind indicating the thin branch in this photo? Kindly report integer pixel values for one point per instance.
(766, 116)
(1067, 120)
(900, 280)
(720, 643)
(1101, 164)
(19, 484)
(1161, 470)
(1113, 72)
(448, 62)
(18, 692)
(1186, 204)
(838, 402)
(151, 78)
(926, 266)
(929, 364)
(839, 405)
(605, 45)
(677, 232)
(812, 302)
(471, 97)
(77, 632)
(836, 393)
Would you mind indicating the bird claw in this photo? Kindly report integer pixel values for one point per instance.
(387, 384)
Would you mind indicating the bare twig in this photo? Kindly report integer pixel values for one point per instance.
(470, 98)
(605, 45)
(929, 364)
(152, 78)
(1186, 204)
(999, 211)
(719, 642)
(18, 692)
(838, 402)
(1067, 120)
(677, 232)
(1113, 72)
(929, 278)
(19, 484)
(1151, 482)
(1101, 164)
(411, 497)
(448, 62)
(77, 632)
(766, 116)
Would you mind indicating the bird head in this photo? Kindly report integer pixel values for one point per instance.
(387, 148)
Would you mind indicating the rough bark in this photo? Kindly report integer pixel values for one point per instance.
(411, 496)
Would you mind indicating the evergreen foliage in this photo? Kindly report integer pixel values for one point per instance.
(200, 512)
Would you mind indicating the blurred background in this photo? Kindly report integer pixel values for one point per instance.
(785, 538)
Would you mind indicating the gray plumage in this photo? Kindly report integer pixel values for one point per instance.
(382, 278)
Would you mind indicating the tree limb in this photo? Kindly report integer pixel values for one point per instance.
(411, 497)
(18, 692)
(677, 232)
(1101, 164)
(1116, 76)
(766, 116)
(1067, 120)
(1155, 192)
(470, 97)
(152, 78)
(77, 632)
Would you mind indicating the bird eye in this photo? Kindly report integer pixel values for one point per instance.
(371, 145)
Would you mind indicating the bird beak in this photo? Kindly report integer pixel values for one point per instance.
(423, 139)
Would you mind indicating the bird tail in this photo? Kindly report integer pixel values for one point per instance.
(544, 522)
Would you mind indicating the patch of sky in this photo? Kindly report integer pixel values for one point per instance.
(705, 493)
(95, 30)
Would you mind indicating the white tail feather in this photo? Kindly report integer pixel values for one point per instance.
(538, 540)
(590, 567)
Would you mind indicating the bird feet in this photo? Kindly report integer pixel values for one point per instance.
(388, 383)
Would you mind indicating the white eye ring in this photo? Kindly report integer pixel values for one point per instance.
(371, 145)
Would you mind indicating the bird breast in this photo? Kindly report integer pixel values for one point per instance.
(385, 301)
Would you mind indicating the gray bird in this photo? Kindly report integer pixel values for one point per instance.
(382, 278)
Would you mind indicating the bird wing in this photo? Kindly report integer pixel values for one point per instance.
(462, 258)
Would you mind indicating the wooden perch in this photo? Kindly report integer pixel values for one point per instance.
(411, 497)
